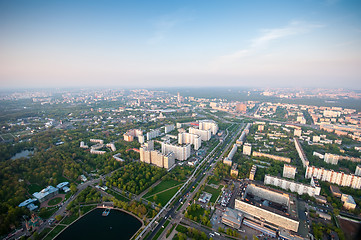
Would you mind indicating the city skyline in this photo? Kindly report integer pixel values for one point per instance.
(168, 44)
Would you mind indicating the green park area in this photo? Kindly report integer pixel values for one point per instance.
(55, 201)
(162, 186)
(54, 232)
(164, 191)
(215, 192)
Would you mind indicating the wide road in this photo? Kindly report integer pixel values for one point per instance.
(206, 171)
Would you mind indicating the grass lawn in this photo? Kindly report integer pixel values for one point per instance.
(87, 209)
(162, 186)
(213, 191)
(44, 232)
(33, 188)
(213, 181)
(197, 213)
(117, 195)
(181, 229)
(67, 196)
(164, 197)
(45, 214)
(55, 201)
(70, 219)
(55, 231)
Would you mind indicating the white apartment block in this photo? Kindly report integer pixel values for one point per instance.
(148, 155)
(180, 152)
(358, 170)
(316, 139)
(191, 139)
(169, 128)
(97, 141)
(82, 145)
(247, 149)
(153, 134)
(204, 134)
(289, 171)
(111, 146)
(233, 151)
(297, 132)
(319, 155)
(292, 186)
(331, 158)
(208, 125)
(339, 178)
(301, 153)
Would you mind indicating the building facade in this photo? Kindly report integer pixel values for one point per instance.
(180, 152)
(292, 186)
(195, 140)
(338, 178)
(208, 125)
(204, 134)
(289, 171)
(247, 149)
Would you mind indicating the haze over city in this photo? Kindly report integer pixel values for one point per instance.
(180, 43)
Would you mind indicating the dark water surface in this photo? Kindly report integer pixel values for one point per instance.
(117, 225)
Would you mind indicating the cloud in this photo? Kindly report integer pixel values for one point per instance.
(267, 37)
(163, 25)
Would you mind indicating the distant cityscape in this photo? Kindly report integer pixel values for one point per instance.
(211, 167)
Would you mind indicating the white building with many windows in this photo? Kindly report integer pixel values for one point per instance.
(195, 140)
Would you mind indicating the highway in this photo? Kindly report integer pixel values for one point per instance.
(202, 176)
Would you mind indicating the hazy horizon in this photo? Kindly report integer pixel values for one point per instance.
(47, 44)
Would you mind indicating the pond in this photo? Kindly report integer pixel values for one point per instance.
(117, 225)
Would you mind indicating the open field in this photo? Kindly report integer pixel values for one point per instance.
(213, 191)
(162, 186)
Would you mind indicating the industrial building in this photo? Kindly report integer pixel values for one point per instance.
(268, 207)
(232, 218)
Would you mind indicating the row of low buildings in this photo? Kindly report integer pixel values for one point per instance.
(44, 195)
(271, 156)
(312, 190)
(228, 160)
(244, 134)
(301, 153)
(334, 158)
(339, 178)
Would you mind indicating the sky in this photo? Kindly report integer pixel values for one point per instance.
(188, 43)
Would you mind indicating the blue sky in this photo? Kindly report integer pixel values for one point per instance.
(305, 43)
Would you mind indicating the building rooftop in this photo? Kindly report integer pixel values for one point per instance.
(46, 191)
(271, 200)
